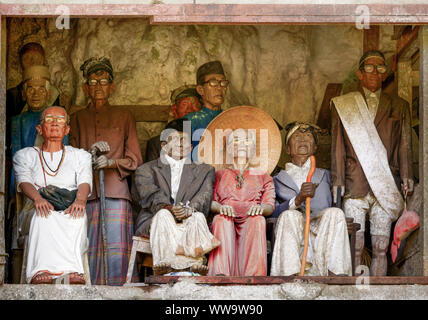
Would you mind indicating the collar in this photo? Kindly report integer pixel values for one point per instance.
(205, 109)
(292, 166)
(172, 162)
(370, 94)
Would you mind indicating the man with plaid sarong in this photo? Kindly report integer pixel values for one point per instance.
(110, 135)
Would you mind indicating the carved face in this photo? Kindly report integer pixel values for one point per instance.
(36, 94)
(53, 127)
(212, 97)
(373, 80)
(96, 88)
(241, 144)
(301, 144)
(185, 106)
(178, 145)
(32, 58)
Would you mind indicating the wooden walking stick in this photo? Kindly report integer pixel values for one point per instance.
(102, 216)
(308, 218)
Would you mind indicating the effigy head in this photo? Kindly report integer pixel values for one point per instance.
(53, 124)
(36, 86)
(301, 139)
(185, 99)
(372, 70)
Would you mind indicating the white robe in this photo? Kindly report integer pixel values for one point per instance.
(56, 243)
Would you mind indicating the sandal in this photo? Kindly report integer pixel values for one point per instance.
(42, 278)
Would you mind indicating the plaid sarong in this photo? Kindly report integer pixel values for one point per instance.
(119, 232)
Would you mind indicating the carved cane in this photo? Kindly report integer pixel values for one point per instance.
(102, 215)
(308, 218)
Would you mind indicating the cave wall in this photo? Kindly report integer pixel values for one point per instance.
(282, 69)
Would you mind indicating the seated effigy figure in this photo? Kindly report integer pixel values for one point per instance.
(56, 180)
(176, 195)
(243, 192)
(328, 250)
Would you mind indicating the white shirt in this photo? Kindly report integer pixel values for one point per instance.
(372, 99)
(176, 171)
(298, 175)
(75, 169)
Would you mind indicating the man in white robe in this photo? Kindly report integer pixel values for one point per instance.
(57, 238)
(329, 250)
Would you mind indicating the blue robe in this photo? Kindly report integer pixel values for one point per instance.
(199, 121)
(286, 189)
(23, 135)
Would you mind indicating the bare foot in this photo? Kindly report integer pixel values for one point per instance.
(161, 269)
(201, 269)
(179, 251)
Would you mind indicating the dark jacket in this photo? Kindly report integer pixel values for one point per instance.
(153, 182)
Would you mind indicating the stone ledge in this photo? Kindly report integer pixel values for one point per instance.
(186, 289)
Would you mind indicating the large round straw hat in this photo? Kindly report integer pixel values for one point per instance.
(211, 149)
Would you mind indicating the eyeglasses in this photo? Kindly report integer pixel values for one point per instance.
(102, 82)
(369, 68)
(215, 83)
(60, 120)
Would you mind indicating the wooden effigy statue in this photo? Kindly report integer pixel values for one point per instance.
(57, 180)
(328, 250)
(371, 156)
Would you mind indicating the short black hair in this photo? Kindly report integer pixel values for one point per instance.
(375, 53)
(31, 46)
(176, 124)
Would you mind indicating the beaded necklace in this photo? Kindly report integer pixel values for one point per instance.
(44, 160)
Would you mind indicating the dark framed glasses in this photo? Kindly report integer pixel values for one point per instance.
(215, 83)
(369, 68)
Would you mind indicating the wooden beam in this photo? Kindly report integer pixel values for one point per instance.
(2, 145)
(142, 113)
(268, 280)
(371, 38)
(423, 142)
(231, 13)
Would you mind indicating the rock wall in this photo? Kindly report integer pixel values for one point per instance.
(282, 69)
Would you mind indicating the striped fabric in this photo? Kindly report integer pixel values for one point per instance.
(119, 232)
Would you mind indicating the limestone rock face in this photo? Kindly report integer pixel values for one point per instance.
(281, 69)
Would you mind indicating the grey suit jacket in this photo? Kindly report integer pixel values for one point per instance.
(153, 182)
(286, 189)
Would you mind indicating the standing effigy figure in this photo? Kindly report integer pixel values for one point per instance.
(176, 196)
(328, 250)
(56, 180)
(243, 191)
(100, 128)
(371, 156)
(211, 85)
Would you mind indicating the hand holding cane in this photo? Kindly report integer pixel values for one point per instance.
(308, 218)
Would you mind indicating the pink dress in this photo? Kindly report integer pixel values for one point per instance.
(243, 238)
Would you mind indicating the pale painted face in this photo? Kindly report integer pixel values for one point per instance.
(242, 145)
(178, 145)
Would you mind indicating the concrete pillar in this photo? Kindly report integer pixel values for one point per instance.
(2, 144)
(423, 141)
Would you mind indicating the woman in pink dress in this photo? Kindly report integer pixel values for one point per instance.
(242, 197)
